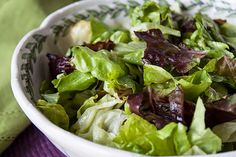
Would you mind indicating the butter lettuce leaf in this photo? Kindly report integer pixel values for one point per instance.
(97, 63)
(75, 81)
(155, 74)
(120, 37)
(195, 84)
(139, 136)
(55, 113)
(131, 52)
(200, 136)
(98, 29)
(151, 15)
(226, 131)
(99, 121)
(159, 79)
(228, 32)
(180, 140)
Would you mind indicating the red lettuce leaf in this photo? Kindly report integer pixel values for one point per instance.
(173, 108)
(135, 102)
(185, 23)
(58, 65)
(158, 110)
(221, 111)
(226, 67)
(217, 112)
(220, 21)
(107, 45)
(162, 53)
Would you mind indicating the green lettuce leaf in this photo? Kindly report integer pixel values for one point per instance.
(210, 66)
(150, 11)
(87, 103)
(180, 140)
(159, 79)
(131, 52)
(195, 150)
(229, 33)
(54, 112)
(71, 101)
(226, 131)
(195, 84)
(138, 135)
(163, 89)
(80, 97)
(145, 26)
(110, 88)
(72, 104)
(89, 31)
(99, 121)
(105, 126)
(127, 82)
(198, 135)
(207, 38)
(47, 87)
(122, 87)
(120, 37)
(151, 15)
(134, 57)
(216, 92)
(105, 36)
(51, 98)
(97, 63)
(98, 30)
(136, 72)
(222, 70)
(75, 81)
(155, 74)
(125, 48)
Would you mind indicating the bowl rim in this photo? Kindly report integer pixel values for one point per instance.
(37, 118)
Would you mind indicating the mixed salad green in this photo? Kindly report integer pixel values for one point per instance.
(166, 86)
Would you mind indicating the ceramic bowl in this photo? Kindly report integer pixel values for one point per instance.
(29, 62)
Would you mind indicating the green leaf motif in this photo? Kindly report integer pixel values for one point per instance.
(232, 15)
(28, 58)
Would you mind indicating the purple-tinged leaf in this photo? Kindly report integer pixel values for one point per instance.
(135, 101)
(176, 99)
(226, 67)
(162, 53)
(217, 112)
(158, 110)
(172, 108)
(58, 65)
(107, 45)
(220, 21)
(221, 111)
(185, 23)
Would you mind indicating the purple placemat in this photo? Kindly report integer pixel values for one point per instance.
(32, 143)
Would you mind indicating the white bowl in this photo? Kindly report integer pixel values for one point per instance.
(29, 64)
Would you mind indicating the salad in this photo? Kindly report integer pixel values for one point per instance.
(166, 86)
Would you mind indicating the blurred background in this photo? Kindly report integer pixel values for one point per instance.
(17, 17)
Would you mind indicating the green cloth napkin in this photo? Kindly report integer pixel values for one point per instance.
(17, 17)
